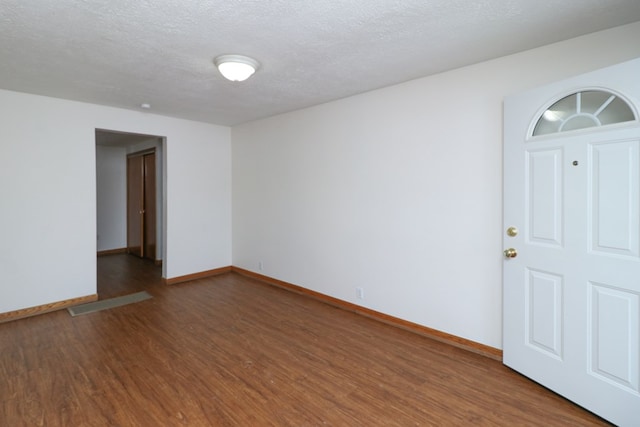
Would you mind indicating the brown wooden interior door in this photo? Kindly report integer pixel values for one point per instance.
(149, 220)
(135, 208)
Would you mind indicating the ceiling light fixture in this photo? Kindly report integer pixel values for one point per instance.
(236, 68)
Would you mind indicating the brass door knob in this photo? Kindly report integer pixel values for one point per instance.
(511, 253)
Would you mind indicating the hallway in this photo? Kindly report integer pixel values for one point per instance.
(123, 274)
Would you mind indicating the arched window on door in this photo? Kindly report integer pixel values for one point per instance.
(582, 110)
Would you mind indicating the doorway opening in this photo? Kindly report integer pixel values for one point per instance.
(130, 207)
(141, 205)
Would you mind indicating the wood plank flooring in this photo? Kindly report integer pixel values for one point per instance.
(123, 274)
(231, 351)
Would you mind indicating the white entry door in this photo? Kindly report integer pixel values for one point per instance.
(571, 288)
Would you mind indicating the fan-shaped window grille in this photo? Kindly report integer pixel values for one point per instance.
(581, 110)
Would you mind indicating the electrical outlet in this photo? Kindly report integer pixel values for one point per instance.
(260, 265)
(360, 293)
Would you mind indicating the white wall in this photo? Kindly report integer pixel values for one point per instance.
(399, 190)
(48, 195)
(111, 193)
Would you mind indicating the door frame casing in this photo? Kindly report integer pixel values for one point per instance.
(142, 206)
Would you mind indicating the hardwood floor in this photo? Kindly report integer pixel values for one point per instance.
(125, 274)
(230, 350)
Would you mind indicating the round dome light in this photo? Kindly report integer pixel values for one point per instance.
(236, 68)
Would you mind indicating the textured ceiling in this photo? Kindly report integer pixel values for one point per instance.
(124, 53)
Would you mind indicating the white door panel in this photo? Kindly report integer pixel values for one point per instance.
(543, 317)
(613, 357)
(614, 182)
(544, 198)
(572, 293)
